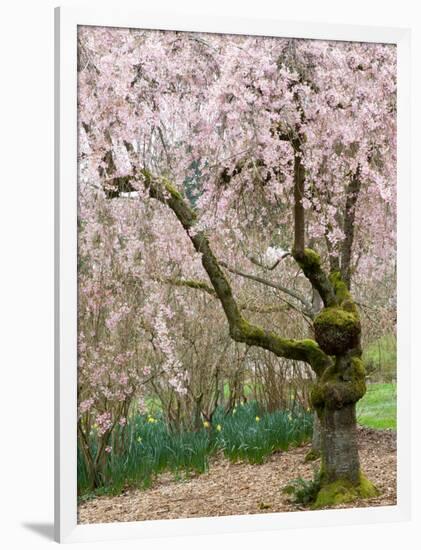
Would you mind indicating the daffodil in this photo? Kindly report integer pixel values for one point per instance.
(151, 420)
(257, 418)
(206, 424)
(218, 428)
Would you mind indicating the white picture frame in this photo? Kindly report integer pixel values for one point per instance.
(67, 21)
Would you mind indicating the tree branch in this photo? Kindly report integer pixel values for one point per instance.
(191, 283)
(310, 263)
(271, 284)
(201, 285)
(299, 178)
(352, 194)
(240, 329)
(257, 262)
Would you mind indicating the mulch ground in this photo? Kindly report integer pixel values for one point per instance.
(236, 489)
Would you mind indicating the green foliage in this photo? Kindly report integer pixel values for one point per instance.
(314, 493)
(377, 409)
(252, 435)
(146, 447)
(303, 491)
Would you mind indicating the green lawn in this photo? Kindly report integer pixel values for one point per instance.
(377, 409)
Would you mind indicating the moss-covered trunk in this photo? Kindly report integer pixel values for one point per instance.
(341, 478)
(334, 396)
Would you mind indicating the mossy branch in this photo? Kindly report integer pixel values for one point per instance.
(240, 329)
(310, 263)
(191, 283)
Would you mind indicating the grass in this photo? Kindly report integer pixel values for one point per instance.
(149, 448)
(377, 409)
(380, 359)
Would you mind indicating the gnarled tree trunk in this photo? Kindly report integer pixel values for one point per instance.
(338, 333)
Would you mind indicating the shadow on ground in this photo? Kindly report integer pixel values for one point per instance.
(45, 530)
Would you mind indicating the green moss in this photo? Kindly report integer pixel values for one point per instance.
(309, 260)
(249, 331)
(342, 293)
(358, 370)
(335, 316)
(300, 350)
(192, 283)
(169, 187)
(339, 286)
(146, 174)
(336, 330)
(315, 356)
(172, 190)
(341, 384)
(311, 257)
(343, 491)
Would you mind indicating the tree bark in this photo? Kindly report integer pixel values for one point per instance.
(299, 181)
(352, 192)
(316, 444)
(340, 460)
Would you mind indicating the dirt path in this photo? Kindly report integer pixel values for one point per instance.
(234, 489)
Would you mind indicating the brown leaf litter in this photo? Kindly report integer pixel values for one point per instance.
(241, 488)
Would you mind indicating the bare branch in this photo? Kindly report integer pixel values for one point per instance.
(271, 284)
(257, 262)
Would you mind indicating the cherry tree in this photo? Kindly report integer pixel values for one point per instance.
(265, 156)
